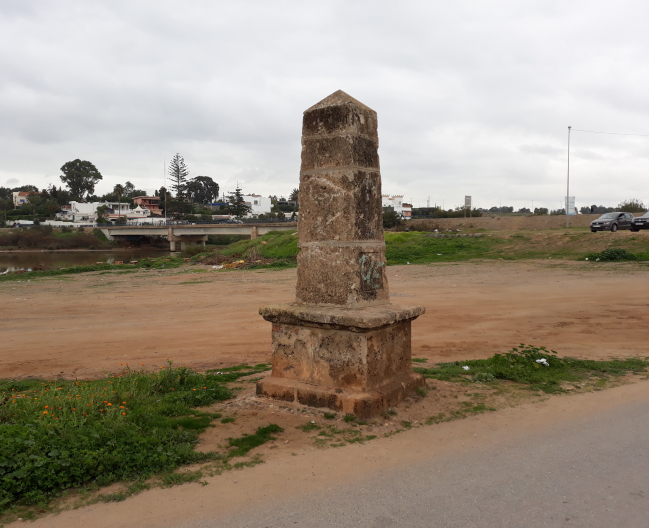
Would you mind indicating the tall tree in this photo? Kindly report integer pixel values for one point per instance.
(295, 195)
(80, 177)
(178, 174)
(238, 206)
(119, 191)
(202, 190)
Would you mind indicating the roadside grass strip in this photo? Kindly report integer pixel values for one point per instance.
(151, 263)
(537, 367)
(60, 435)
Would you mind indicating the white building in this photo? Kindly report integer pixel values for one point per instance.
(87, 212)
(258, 204)
(398, 205)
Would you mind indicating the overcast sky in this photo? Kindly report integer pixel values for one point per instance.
(472, 97)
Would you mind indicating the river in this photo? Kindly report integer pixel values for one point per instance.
(12, 260)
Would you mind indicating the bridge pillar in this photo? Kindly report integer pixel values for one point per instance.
(253, 232)
(172, 245)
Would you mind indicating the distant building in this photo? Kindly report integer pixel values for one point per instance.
(22, 197)
(398, 205)
(87, 212)
(152, 203)
(258, 204)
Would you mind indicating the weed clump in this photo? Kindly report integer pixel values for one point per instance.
(612, 255)
(248, 442)
(536, 367)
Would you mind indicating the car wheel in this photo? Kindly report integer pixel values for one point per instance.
(635, 229)
(593, 230)
(613, 228)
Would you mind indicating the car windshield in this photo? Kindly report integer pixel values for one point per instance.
(608, 216)
(646, 215)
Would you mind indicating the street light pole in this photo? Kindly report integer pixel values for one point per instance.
(568, 183)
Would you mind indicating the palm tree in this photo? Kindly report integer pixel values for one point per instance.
(119, 191)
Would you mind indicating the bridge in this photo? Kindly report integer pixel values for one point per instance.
(194, 233)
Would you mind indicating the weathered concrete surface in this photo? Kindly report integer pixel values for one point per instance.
(341, 344)
(342, 251)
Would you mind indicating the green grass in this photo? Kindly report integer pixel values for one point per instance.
(616, 254)
(308, 427)
(152, 263)
(278, 245)
(248, 442)
(418, 247)
(520, 365)
(421, 248)
(56, 435)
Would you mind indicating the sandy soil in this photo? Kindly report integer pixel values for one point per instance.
(80, 325)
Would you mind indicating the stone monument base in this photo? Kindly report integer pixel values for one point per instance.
(354, 361)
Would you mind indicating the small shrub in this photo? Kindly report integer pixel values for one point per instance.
(329, 416)
(349, 418)
(419, 360)
(612, 255)
(420, 391)
(482, 377)
(228, 419)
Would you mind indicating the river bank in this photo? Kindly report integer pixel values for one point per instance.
(28, 259)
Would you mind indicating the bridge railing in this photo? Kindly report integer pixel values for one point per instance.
(204, 222)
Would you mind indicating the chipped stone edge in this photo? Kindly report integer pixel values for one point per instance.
(337, 317)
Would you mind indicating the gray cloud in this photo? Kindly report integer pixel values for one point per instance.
(473, 98)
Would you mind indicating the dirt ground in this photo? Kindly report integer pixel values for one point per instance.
(81, 325)
(506, 222)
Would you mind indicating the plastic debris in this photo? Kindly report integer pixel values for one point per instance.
(543, 361)
(586, 258)
(465, 367)
(217, 267)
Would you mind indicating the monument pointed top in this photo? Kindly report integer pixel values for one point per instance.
(338, 98)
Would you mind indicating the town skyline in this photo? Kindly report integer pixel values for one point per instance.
(471, 100)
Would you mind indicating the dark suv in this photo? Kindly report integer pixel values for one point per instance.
(612, 222)
(641, 222)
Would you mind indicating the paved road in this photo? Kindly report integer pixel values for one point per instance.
(591, 474)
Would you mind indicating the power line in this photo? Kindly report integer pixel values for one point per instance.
(609, 133)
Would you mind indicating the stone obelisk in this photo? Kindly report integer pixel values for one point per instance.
(341, 344)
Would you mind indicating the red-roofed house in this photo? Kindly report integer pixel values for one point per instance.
(22, 197)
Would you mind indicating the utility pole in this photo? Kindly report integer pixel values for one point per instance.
(164, 186)
(568, 182)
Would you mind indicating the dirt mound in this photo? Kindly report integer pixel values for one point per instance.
(503, 222)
